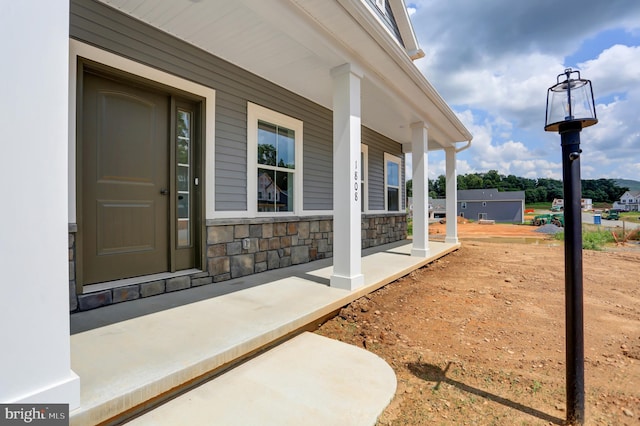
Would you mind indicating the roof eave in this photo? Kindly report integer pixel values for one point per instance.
(456, 131)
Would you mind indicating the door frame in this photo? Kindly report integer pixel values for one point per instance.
(134, 73)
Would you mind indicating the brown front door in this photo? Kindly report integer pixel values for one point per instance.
(124, 223)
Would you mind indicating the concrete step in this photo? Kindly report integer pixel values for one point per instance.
(308, 380)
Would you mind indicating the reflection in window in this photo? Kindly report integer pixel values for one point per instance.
(392, 182)
(276, 166)
(183, 178)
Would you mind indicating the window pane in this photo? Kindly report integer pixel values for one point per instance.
(183, 178)
(285, 192)
(184, 118)
(184, 137)
(286, 148)
(266, 143)
(275, 191)
(393, 175)
(393, 199)
(266, 190)
(183, 206)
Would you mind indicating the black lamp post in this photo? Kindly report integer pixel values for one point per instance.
(570, 108)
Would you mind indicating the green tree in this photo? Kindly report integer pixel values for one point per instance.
(474, 181)
(267, 154)
(409, 187)
(492, 179)
(461, 182)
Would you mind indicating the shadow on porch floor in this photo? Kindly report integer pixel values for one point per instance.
(134, 355)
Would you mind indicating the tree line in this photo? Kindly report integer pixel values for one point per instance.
(536, 190)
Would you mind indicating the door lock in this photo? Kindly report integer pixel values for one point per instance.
(164, 191)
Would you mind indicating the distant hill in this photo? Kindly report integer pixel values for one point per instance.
(633, 185)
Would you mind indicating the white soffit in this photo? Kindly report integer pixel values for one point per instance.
(295, 43)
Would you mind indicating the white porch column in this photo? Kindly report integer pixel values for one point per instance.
(347, 265)
(35, 362)
(420, 173)
(452, 196)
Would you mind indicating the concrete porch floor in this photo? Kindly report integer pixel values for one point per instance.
(133, 356)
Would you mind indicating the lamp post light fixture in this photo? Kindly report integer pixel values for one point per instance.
(570, 108)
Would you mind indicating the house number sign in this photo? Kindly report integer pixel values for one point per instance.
(355, 182)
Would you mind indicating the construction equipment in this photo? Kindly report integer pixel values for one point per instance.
(543, 219)
(558, 220)
(612, 214)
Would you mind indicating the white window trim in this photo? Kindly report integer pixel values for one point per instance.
(254, 113)
(394, 159)
(364, 177)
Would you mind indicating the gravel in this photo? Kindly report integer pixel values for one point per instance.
(549, 229)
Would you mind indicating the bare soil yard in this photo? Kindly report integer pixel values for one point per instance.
(477, 337)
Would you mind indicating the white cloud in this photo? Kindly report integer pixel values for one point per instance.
(494, 60)
(615, 70)
(612, 146)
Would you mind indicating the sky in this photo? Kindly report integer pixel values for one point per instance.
(493, 61)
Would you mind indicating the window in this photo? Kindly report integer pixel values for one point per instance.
(382, 5)
(274, 160)
(183, 176)
(364, 166)
(392, 181)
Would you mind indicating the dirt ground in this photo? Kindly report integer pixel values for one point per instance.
(477, 337)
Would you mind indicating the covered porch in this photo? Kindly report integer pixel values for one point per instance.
(359, 72)
(135, 355)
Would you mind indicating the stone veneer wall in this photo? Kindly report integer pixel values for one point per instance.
(240, 247)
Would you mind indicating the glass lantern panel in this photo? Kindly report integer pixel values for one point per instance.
(581, 102)
(578, 107)
(557, 107)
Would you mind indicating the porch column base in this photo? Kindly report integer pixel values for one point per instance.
(451, 240)
(65, 392)
(347, 283)
(415, 252)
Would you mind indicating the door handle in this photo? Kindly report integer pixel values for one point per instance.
(164, 191)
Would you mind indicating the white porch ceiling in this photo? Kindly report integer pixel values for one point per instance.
(295, 44)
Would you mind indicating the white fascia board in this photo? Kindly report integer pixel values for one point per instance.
(457, 132)
(377, 17)
(405, 27)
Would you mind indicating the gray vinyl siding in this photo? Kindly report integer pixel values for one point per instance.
(318, 165)
(378, 146)
(498, 210)
(499, 206)
(100, 25)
